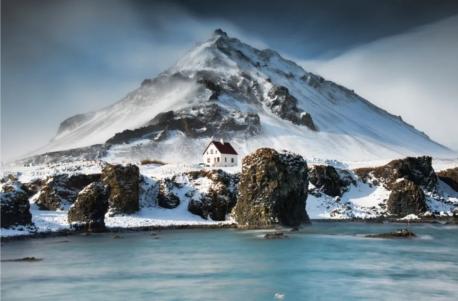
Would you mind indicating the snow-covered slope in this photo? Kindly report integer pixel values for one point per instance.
(255, 98)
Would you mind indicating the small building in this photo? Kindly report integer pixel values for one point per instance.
(220, 154)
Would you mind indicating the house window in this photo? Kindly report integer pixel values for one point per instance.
(218, 159)
(225, 159)
(211, 151)
(208, 160)
(232, 160)
(214, 160)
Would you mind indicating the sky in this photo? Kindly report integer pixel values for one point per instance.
(63, 57)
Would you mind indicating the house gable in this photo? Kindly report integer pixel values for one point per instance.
(223, 148)
(212, 147)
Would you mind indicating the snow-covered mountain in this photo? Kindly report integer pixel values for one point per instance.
(224, 88)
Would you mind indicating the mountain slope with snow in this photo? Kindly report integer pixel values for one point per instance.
(224, 88)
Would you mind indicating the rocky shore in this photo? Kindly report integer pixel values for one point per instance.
(272, 189)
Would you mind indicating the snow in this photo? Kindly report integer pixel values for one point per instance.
(360, 201)
(157, 216)
(410, 217)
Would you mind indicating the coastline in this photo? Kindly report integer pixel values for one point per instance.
(70, 232)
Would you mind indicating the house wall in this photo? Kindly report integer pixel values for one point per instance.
(212, 155)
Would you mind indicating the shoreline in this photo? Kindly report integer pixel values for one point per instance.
(70, 232)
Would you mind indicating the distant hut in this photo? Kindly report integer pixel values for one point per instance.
(220, 154)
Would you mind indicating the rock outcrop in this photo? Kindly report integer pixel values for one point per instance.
(406, 198)
(275, 235)
(282, 103)
(419, 170)
(450, 176)
(88, 211)
(194, 122)
(34, 186)
(220, 198)
(406, 178)
(61, 190)
(123, 182)
(272, 190)
(166, 198)
(327, 180)
(401, 233)
(14, 205)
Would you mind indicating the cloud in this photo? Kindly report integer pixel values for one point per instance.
(413, 74)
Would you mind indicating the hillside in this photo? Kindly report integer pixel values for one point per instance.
(224, 88)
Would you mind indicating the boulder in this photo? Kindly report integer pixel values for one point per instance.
(327, 180)
(416, 169)
(406, 198)
(88, 211)
(275, 235)
(450, 177)
(123, 182)
(14, 205)
(213, 205)
(401, 233)
(272, 190)
(166, 198)
(61, 190)
(34, 186)
(221, 196)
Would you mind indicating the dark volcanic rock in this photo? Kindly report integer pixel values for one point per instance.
(275, 235)
(194, 122)
(327, 180)
(166, 198)
(23, 259)
(123, 182)
(61, 190)
(416, 169)
(450, 176)
(221, 196)
(34, 186)
(88, 212)
(406, 198)
(212, 86)
(272, 190)
(401, 233)
(282, 103)
(14, 205)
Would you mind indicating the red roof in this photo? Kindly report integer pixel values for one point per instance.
(224, 148)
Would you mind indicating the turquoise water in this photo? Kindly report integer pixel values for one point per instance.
(326, 261)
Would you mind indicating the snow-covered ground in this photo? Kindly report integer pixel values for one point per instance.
(359, 201)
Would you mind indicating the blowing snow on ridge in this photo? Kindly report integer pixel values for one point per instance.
(224, 88)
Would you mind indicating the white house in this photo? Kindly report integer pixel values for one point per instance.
(220, 154)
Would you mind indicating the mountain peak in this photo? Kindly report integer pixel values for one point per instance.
(227, 87)
(220, 32)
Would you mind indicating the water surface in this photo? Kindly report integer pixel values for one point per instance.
(325, 261)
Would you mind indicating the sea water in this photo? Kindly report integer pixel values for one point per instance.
(324, 261)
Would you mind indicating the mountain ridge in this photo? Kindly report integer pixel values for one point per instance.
(254, 97)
